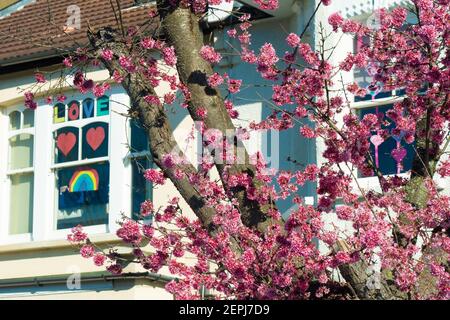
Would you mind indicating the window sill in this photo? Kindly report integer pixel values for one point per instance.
(372, 183)
(54, 244)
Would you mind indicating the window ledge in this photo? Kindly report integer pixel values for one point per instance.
(54, 244)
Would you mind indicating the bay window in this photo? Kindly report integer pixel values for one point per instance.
(74, 162)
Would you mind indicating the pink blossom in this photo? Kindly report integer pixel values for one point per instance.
(267, 4)
(283, 261)
(118, 78)
(154, 176)
(40, 78)
(234, 85)
(293, 40)
(169, 161)
(68, 62)
(428, 32)
(169, 98)
(87, 251)
(127, 64)
(169, 56)
(148, 231)
(307, 132)
(77, 234)
(148, 43)
(130, 232)
(115, 269)
(100, 89)
(152, 99)
(268, 56)
(86, 86)
(153, 12)
(209, 54)
(61, 98)
(99, 259)
(146, 208)
(335, 20)
(201, 113)
(342, 257)
(444, 169)
(232, 33)
(215, 80)
(107, 54)
(29, 100)
(344, 212)
(78, 79)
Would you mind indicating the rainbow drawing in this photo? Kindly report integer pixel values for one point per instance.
(84, 180)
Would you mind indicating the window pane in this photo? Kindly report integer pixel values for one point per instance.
(66, 144)
(21, 204)
(21, 151)
(14, 120)
(141, 189)
(139, 140)
(83, 195)
(28, 118)
(95, 140)
(387, 163)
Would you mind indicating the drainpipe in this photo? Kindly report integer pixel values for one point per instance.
(37, 282)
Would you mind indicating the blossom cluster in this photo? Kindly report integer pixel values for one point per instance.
(383, 227)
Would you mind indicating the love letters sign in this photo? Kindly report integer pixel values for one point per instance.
(78, 140)
(88, 108)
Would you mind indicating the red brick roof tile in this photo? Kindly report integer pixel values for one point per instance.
(37, 30)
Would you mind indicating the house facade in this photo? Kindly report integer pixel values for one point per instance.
(48, 154)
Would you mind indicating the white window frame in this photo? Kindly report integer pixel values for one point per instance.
(44, 202)
(6, 173)
(134, 155)
(80, 123)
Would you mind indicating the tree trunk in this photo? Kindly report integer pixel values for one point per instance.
(155, 121)
(182, 29)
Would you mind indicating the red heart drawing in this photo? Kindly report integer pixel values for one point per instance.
(65, 142)
(95, 137)
(398, 154)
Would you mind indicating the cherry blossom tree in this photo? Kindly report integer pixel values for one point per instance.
(243, 247)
